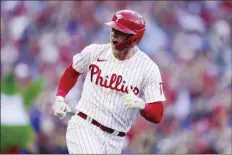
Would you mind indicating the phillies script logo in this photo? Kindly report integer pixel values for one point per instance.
(115, 82)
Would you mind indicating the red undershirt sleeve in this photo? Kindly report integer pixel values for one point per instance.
(67, 81)
(153, 112)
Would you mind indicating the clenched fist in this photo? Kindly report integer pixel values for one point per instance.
(130, 100)
(60, 107)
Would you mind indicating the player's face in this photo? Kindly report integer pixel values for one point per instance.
(117, 37)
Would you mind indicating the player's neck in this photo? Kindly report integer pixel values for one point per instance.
(126, 54)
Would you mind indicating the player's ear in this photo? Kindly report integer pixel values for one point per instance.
(134, 40)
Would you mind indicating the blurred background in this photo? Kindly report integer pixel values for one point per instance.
(190, 42)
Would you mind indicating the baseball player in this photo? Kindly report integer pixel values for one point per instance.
(121, 82)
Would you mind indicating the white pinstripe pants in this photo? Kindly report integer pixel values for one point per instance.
(82, 137)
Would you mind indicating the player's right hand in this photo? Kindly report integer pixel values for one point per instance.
(60, 107)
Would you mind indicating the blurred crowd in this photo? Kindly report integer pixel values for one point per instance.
(189, 41)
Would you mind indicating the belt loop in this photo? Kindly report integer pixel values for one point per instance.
(106, 129)
(115, 133)
(87, 118)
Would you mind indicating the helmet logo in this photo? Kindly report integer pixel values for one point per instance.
(118, 17)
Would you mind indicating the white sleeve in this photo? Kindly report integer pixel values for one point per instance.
(82, 60)
(153, 90)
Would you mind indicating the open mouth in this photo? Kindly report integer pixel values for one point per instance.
(114, 42)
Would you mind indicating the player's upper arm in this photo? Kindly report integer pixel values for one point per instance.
(153, 90)
(82, 60)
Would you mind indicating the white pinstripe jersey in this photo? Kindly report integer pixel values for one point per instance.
(107, 79)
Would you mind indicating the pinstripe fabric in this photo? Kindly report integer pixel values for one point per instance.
(84, 138)
(153, 89)
(101, 99)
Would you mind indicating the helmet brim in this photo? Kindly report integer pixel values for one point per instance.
(120, 27)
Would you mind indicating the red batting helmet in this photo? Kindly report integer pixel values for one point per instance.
(130, 22)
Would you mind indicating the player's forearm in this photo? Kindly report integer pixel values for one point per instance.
(67, 81)
(153, 112)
